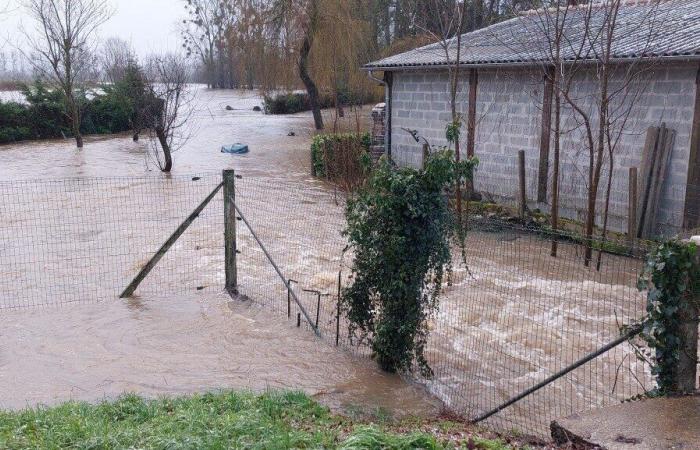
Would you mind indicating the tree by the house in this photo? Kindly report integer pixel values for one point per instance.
(598, 117)
(63, 39)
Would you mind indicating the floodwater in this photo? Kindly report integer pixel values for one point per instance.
(179, 345)
(513, 318)
(77, 225)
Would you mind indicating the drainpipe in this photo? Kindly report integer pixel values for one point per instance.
(387, 112)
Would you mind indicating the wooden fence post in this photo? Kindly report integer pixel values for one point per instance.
(522, 202)
(230, 231)
(689, 317)
(632, 208)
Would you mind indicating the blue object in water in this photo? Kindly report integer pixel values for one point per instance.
(236, 149)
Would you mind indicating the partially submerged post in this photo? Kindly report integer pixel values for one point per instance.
(230, 231)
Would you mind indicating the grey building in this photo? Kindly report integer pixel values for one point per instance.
(505, 93)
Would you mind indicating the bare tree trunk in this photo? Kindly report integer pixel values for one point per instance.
(311, 88)
(167, 154)
(555, 169)
(75, 121)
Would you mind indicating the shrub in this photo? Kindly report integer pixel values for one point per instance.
(293, 103)
(399, 229)
(342, 158)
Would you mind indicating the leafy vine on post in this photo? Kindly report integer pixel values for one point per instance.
(399, 228)
(672, 280)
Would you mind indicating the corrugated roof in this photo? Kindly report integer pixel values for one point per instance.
(650, 29)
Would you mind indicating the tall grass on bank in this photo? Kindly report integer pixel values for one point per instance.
(274, 420)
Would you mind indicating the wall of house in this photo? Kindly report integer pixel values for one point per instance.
(509, 114)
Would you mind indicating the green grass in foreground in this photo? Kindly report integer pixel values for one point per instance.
(275, 420)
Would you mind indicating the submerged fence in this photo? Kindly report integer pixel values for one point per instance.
(512, 318)
(83, 240)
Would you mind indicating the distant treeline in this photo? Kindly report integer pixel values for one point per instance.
(111, 109)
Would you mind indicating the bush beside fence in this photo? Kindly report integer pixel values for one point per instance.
(341, 158)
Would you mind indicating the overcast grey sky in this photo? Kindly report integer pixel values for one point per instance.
(149, 25)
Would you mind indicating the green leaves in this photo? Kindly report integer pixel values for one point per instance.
(399, 229)
(671, 279)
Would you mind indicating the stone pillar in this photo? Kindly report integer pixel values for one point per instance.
(378, 131)
(686, 373)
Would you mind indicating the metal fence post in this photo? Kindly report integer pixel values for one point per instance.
(230, 231)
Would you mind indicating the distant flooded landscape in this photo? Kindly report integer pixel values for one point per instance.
(272, 151)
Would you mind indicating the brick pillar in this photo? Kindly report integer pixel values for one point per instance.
(378, 131)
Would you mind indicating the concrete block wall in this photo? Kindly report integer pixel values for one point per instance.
(421, 101)
(509, 110)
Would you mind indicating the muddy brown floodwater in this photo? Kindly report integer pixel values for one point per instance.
(69, 247)
(156, 344)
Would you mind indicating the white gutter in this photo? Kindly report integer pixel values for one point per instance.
(387, 111)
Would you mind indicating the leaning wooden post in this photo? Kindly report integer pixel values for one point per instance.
(230, 231)
(632, 209)
(522, 203)
(685, 376)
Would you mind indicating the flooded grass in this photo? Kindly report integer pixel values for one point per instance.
(273, 420)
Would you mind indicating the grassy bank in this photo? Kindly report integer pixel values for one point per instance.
(218, 421)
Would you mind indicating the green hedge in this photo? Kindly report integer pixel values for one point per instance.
(295, 102)
(324, 147)
(43, 116)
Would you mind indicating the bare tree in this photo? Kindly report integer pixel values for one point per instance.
(170, 107)
(115, 58)
(574, 43)
(205, 33)
(62, 38)
(304, 16)
(448, 21)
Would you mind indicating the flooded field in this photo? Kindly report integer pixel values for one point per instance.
(514, 317)
(75, 227)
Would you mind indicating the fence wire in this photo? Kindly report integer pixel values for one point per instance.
(83, 240)
(509, 320)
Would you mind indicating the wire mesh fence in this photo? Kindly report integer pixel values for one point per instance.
(83, 240)
(511, 318)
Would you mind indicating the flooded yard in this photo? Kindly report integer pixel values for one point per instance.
(75, 226)
(509, 320)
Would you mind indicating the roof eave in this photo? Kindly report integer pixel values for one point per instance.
(437, 66)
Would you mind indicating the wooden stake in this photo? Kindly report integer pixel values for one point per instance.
(522, 203)
(143, 273)
(230, 231)
(632, 208)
